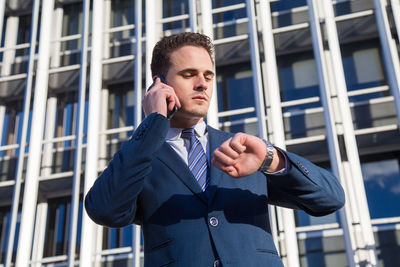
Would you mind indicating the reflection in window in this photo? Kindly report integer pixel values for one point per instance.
(287, 4)
(118, 237)
(303, 219)
(231, 28)
(175, 8)
(327, 251)
(57, 228)
(363, 68)
(382, 186)
(72, 24)
(235, 91)
(5, 221)
(122, 13)
(298, 79)
(121, 108)
(388, 247)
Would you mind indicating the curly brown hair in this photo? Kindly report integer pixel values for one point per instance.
(160, 61)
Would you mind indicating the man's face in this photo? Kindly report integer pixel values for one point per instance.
(191, 75)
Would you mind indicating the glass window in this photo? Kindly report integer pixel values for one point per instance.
(344, 7)
(117, 237)
(298, 79)
(235, 91)
(382, 186)
(72, 24)
(363, 68)
(175, 8)
(326, 251)
(388, 247)
(303, 219)
(57, 228)
(122, 13)
(286, 4)
(121, 107)
(5, 221)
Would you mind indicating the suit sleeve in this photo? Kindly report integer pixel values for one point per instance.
(307, 187)
(113, 199)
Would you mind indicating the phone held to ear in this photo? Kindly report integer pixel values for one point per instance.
(170, 113)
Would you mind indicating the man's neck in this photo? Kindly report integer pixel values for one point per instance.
(184, 124)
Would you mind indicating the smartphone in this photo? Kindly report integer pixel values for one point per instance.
(170, 113)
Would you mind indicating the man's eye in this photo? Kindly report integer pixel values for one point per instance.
(208, 78)
(187, 75)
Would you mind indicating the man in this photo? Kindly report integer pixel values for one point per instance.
(202, 195)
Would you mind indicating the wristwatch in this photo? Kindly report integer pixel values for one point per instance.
(268, 158)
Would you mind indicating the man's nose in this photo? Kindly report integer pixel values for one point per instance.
(201, 83)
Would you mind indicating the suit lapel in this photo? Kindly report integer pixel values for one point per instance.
(169, 157)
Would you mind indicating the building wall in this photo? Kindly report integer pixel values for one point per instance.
(319, 78)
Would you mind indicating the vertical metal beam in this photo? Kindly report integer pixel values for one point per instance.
(292, 255)
(47, 161)
(39, 235)
(333, 146)
(361, 234)
(256, 69)
(138, 64)
(57, 32)
(207, 27)
(272, 97)
(88, 227)
(193, 15)
(35, 144)
(10, 40)
(76, 187)
(390, 54)
(138, 108)
(2, 116)
(107, 22)
(153, 32)
(2, 11)
(396, 15)
(348, 132)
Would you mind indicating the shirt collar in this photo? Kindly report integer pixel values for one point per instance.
(200, 130)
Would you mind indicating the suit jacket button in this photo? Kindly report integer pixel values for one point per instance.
(217, 263)
(213, 221)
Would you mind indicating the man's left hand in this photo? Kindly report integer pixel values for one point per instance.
(243, 155)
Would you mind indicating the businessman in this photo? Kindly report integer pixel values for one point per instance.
(202, 195)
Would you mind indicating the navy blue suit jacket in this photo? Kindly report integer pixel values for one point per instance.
(147, 183)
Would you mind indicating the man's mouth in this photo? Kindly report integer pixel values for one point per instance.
(200, 97)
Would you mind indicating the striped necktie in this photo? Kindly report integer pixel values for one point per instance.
(197, 160)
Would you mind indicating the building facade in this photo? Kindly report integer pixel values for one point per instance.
(319, 78)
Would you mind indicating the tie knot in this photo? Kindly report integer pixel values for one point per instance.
(187, 133)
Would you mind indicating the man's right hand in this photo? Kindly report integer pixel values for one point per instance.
(155, 100)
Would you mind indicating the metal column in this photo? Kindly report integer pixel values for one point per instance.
(138, 108)
(35, 143)
(207, 27)
(272, 97)
(10, 41)
(358, 234)
(2, 11)
(2, 115)
(153, 32)
(138, 64)
(396, 15)
(390, 53)
(193, 15)
(73, 222)
(88, 227)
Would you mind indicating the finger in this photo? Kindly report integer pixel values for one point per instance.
(228, 169)
(222, 158)
(229, 151)
(236, 143)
